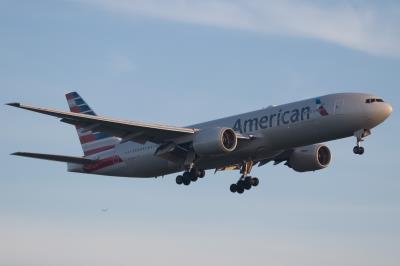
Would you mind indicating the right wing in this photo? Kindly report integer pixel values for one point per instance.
(127, 130)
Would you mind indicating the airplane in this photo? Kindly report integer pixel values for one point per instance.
(292, 133)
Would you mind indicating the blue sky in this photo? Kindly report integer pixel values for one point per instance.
(179, 63)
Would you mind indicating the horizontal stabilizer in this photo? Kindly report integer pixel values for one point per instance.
(52, 157)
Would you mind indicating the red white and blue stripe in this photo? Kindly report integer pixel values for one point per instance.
(92, 142)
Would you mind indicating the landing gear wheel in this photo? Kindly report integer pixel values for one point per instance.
(202, 173)
(186, 181)
(179, 180)
(233, 188)
(193, 178)
(186, 178)
(255, 181)
(247, 183)
(358, 150)
(240, 190)
(194, 172)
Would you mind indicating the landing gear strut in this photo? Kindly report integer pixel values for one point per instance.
(190, 176)
(245, 182)
(360, 135)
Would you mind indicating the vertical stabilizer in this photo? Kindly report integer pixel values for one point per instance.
(92, 142)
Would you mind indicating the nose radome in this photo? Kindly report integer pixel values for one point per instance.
(378, 113)
(388, 110)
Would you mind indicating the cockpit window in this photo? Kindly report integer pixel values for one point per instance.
(372, 100)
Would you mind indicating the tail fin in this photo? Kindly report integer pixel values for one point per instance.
(92, 142)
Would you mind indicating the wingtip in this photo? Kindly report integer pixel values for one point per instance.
(14, 104)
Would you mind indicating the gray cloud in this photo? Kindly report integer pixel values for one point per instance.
(359, 25)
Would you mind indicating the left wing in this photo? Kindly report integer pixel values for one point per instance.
(53, 157)
(127, 130)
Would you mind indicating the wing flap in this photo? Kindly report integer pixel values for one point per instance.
(53, 157)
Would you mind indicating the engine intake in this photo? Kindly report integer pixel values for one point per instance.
(310, 158)
(214, 141)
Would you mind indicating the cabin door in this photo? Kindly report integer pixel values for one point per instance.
(338, 108)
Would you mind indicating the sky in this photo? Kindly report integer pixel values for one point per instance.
(178, 63)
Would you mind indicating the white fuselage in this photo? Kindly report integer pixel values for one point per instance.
(274, 129)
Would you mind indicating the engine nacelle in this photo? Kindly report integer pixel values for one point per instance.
(214, 141)
(310, 158)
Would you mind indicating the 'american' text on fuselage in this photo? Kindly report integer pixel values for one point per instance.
(271, 120)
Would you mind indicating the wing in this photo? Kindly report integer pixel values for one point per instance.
(278, 158)
(52, 157)
(127, 130)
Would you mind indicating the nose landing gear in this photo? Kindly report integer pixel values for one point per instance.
(360, 135)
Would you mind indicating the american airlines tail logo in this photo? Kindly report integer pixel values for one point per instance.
(320, 107)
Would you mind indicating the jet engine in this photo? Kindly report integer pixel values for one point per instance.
(310, 158)
(214, 141)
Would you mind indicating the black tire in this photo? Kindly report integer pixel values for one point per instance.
(202, 173)
(240, 186)
(233, 188)
(186, 178)
(193, 178)
(194, 172)
(356, 150)
(361, 150)
(179, 180)
(255, 181)
(247, 183)
(186, 181)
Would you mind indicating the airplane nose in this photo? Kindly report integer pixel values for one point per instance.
(383, 112)
(387, 110)
(378, 113)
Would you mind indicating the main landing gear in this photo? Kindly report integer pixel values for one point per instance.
(190, 176)
(245, 182)
(360, 135)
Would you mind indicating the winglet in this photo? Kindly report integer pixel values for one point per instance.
(14, 104)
